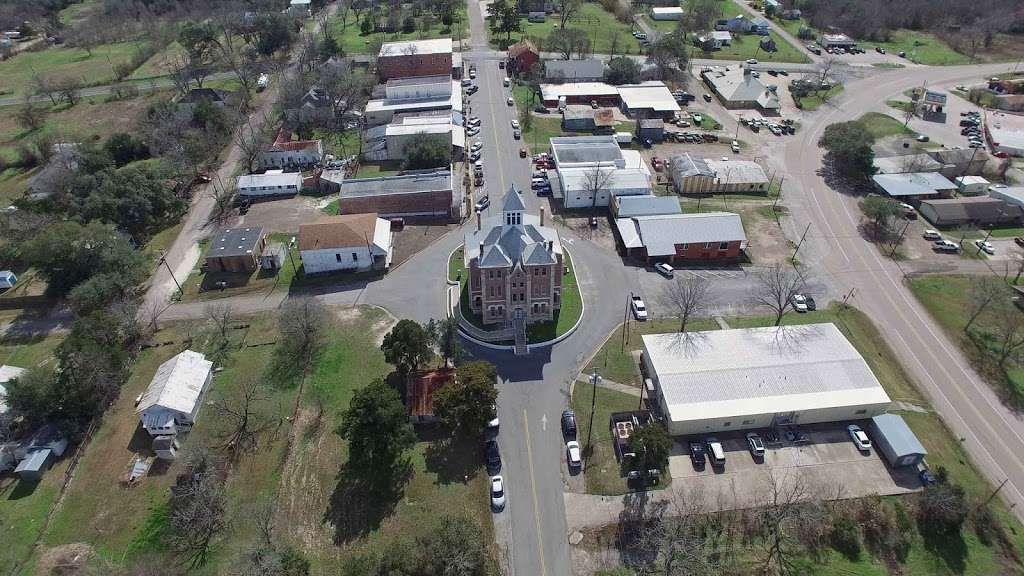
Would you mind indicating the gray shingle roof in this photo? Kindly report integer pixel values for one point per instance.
(647, 205)
(686, 165)
(660, 234)
(513, 201)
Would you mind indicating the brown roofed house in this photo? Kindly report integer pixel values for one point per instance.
(346, 242)
(420, 393)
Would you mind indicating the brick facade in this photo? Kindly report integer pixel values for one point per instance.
(704, 251)
(496, 293)
(435, 203)
(410, 65)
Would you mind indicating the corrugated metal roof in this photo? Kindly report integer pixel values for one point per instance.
(571, 69)
(405, 184)
(704, 375)
(898, 435)
(647, 206)
(660, 234)
(652, 94)
(737, 171)
(913, 183)
(178, 383)
(416, 47)
(270, 179)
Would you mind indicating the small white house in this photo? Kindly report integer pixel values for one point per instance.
(7, 279)
(299, 7)
(971, 185)
(345, 242)
(171, 403)
(271, 183)
(667, 13)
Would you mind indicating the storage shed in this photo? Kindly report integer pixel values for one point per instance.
(652, 129)
(896, 441)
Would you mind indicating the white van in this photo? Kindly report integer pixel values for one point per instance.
(715, 452)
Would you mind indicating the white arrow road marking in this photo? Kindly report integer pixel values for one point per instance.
(544, 422)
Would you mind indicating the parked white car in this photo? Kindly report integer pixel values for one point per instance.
(572, 454)
(639, 308)
(932, 235)
(515, 124)
(859, 437)
(799, 302)
(510, 102)
(476, 146)
(664, 269)
(985, 247)
(497, 493)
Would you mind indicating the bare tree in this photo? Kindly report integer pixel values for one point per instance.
(824, 69)
(566, 10)
(1009, 331)
(345, 89)
(31, 115)
(252, 139)
(785, 497)
(775, 287)
(673, 538)
(221, 316)
(688, 295)
(983, 293)
(243, 419)
(1017, 258)
(224, 198)
(596, 180)
(303, 325)
(198, 508)
(46, 86)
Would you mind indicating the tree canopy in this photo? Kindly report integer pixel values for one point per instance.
(425, 151)
(466, 403)
(622, 70)
(652, 446)
(849, 144)
(377, 427)
(407, 346)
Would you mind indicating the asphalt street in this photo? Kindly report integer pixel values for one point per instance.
(991, 433)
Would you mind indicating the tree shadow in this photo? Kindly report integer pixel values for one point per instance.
(454, 459)
(948, 546)
(363, 498)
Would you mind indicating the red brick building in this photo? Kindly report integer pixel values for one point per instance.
(522, 56)
(680, 238)
(236, 250)
(515, 266)
(415, 58)
(427, 194)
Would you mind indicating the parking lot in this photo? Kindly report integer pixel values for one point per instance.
(829, 464)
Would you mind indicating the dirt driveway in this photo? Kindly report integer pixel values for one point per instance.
(282, 216)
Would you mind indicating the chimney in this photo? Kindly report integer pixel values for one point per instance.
(478, 221)
(541, 215)
(481, 255)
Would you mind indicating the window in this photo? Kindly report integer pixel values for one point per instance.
(355, 257)
(723, 245)
(746, 422)
(727, 424)
(861, 411)
(684, 246)
(337, 257)
(707, 245)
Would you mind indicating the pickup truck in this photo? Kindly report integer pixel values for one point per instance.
(639, 308)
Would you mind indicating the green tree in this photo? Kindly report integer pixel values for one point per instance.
(849, 145)
(367, 26)
(445, 334)
(505, 18)
(124, 148)
(881, 211)
(68, 253)
(942, 508)
(652, 446)
(466, 403)
(377, 428)
(424, 151)
(273, 32)
(407, 346)
(622, 70)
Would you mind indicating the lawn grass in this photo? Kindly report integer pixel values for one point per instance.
(603, 29)
(30, 351)
(946, 297)
(378, 169)
(746, 46)
(921, 48)
(537, 137)
(22, 512)
(602, 472)
(332, 208)
(13, 183)
(65, 62)
(350, 39)
(882, 125)
(568, 315)
(816, 99)
(456, 268)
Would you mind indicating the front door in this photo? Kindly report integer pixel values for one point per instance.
(519, 314)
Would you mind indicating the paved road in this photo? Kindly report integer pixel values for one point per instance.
(991, 433)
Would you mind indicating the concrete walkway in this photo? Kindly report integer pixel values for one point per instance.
(610, 385)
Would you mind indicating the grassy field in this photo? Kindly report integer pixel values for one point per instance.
(921, 47)
(303, 483)
(601, 27)
(745, 46)
(816, 99)
(882, 125)
(455, 267)
(601, 468)
(378, 169)
(91, 119)
(60, 61)
(946, 297)
(352, 41)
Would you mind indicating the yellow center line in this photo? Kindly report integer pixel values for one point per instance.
(533, 489)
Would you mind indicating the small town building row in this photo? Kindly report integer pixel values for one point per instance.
(691, 174)
(651, 99)
(949, 162)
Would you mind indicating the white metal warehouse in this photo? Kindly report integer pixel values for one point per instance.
(760, 377)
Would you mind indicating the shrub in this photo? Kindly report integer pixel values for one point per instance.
(845, 537)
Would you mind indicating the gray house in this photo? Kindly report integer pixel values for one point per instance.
(896, 441)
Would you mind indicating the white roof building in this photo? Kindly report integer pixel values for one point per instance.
(760, 377)
(270, 183)
(583, 161)
(667, 13)
(1005, 132)
(434, 46)
(736, 87)
(661, 234)
(652, 96)
(171, 403)
(913, 184)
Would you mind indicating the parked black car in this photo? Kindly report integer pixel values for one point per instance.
(492, 457)
(697, 455)
(811, 305)
(569, 425)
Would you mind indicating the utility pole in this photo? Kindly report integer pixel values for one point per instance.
(896, 244)
(800, 243)
(625, 323)
(291, 243)
(848, 295)
(993, 494)
(595, 379)
(163, 260)
(737, 135)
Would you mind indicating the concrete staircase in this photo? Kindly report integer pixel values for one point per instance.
(519, 327)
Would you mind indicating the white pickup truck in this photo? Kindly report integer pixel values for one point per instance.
(639, 308)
